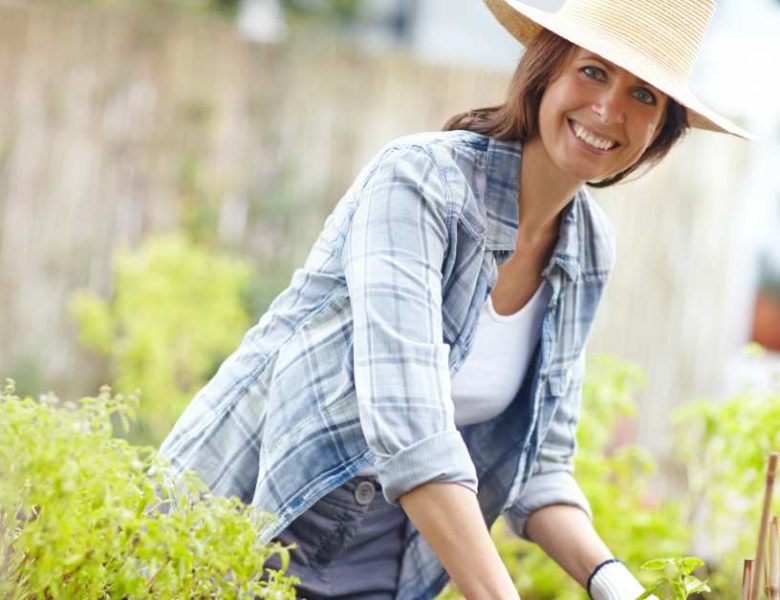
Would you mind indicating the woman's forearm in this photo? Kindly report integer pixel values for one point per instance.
(448, 516)
(566, 534)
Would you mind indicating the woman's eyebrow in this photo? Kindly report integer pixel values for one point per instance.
(612, 67)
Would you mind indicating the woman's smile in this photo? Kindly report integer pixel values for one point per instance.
(590, 140)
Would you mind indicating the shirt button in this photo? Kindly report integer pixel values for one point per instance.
(365, 492)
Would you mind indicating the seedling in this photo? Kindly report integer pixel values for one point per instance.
(676, 581)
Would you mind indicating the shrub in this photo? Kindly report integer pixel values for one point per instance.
(84, 514)
(178, 308)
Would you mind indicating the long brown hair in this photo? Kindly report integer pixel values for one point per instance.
(518, 117)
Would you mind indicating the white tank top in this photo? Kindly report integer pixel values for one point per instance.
(501, 351)
(491, 375)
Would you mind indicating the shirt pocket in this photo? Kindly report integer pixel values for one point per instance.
(557, 401)
(558, 381)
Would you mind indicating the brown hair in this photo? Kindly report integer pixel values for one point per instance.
(518, 117)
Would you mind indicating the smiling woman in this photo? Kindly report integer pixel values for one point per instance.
(422, 373)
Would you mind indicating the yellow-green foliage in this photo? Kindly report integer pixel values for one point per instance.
(83, 515)
(177, 310)
(675, 581)
(724, 446)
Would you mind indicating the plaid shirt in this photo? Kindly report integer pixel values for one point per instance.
(351, 364)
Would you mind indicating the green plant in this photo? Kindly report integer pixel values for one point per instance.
(675, 582)
(724, 446)
(85, 515)
(178, 308)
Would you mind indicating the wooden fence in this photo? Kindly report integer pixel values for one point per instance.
(114, 127)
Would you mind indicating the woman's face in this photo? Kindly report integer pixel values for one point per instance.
(596, 119)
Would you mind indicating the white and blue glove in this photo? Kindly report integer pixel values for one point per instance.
(611, 580)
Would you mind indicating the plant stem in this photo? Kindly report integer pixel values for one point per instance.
(747, 577)
(755, 586)
(75, 569)
(773, 583)
(157, 574)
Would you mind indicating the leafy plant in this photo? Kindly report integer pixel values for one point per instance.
(724, 446)
(676, 581)
(86, 515)
(178, 308)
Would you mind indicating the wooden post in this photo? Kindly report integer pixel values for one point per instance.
(773, 584)
(747, 577)
(758, 567)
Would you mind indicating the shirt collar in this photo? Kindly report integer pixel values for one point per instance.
(501, 210)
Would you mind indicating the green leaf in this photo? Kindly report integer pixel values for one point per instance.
(655, 564)
(689, 563)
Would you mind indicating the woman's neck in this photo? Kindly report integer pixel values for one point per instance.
(543, 193)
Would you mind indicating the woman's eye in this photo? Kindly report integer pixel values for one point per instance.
(590, 70)
(646, 96)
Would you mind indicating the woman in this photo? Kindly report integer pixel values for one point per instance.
(422, 373)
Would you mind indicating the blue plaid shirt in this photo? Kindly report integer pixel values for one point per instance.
(351, 364)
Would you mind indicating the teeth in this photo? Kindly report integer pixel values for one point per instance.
(587, 136)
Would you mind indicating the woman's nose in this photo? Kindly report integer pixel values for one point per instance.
(608, 105)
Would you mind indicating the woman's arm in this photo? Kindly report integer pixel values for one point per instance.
(449, 518)
(567, 535)
(393, 254)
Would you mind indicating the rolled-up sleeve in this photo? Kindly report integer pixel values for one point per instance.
(392, 255)
(552, 479)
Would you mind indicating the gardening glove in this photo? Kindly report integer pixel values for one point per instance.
(611, 580)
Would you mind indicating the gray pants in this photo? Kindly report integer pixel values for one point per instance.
(349, 544)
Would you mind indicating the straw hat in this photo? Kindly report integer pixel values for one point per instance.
(656, 40)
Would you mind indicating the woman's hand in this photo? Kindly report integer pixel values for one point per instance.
(613, 581)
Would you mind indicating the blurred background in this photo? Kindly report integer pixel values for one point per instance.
(165, 165)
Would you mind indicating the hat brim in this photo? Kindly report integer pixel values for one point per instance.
(525, 22)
